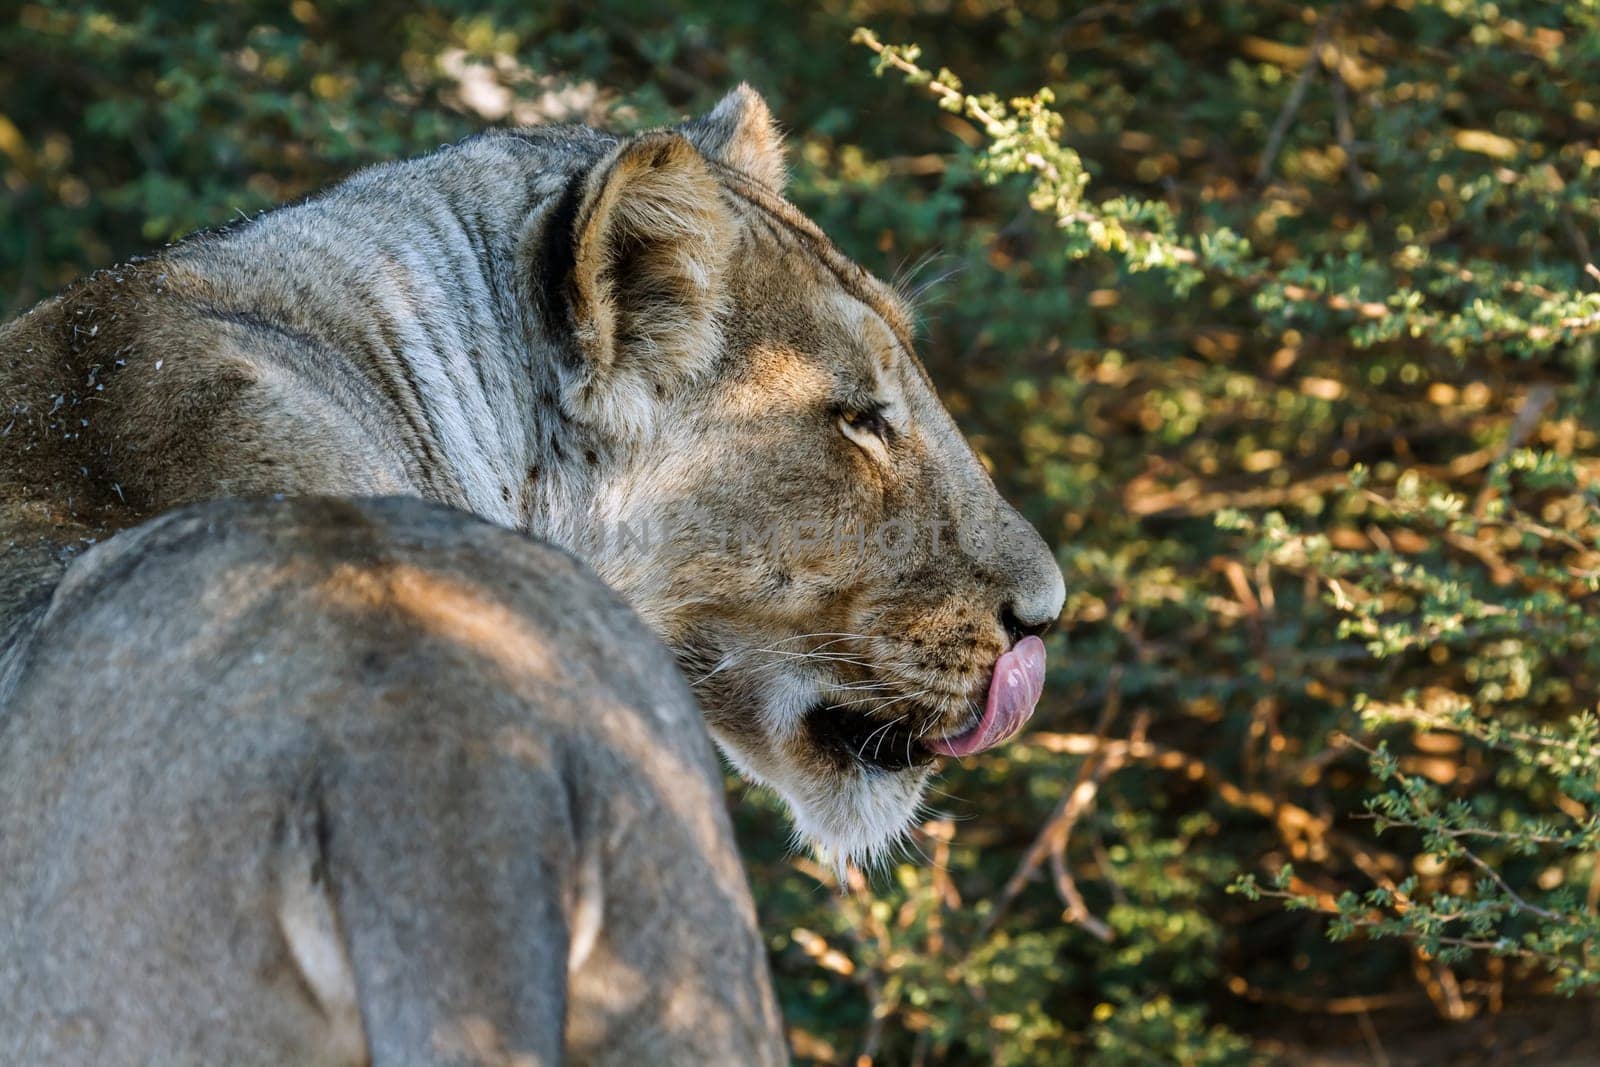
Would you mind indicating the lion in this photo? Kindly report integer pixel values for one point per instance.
(335, 781)
(633, 348)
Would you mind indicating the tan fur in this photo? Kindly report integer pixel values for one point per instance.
(572, 334)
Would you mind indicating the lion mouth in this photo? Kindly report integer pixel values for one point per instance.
(1014, 691)
(851, 737)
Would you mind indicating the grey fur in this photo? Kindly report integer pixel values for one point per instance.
(442, 788)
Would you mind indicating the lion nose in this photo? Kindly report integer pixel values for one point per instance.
(1036, 611)
(1037, 591)
(1016, 629)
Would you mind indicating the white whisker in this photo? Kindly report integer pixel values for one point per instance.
(880, 730)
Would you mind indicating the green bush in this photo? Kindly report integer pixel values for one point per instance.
(1277, 319)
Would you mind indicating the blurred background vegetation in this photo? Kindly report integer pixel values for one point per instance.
(1277, 318)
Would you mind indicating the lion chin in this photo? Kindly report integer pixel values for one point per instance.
(853, 785)
(855, 815)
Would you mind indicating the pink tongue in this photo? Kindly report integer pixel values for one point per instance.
(1014, 690)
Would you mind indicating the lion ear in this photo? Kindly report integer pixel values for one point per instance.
(651, 240)
(740, 133)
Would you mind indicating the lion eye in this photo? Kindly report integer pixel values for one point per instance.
(868, 421)
(867, 429)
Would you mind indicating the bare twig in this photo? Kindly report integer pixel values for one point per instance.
(1380, 1057)
(1511, 285)
(1580, 243)
(1441, 985)
(1292, 820)
(1515, 897)
(1083, 795)
(1077, 909)
(1539, 398)
(1066, 813)
(1291, 105)
(1348, 1005)
(1346, 132)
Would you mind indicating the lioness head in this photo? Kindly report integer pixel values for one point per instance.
(778, 489)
